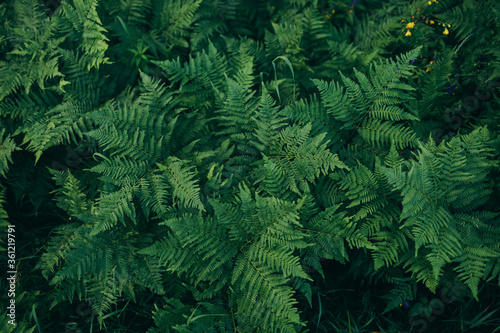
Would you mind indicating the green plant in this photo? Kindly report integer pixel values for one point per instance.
(273, 170)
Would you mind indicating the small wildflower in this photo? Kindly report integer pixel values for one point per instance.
(408, 33)
(430, 3)
(432, 62)
(426, 22)
(427, 69)
(328, 16)
(451, 89)
(432, 22)
(446, 32)
(405, 304)
(350, 10)
(412, 62)
(410, 25)
(402, 21)
(333, 11)
(69, 218)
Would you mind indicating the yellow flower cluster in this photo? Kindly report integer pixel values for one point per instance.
(411, 25)
(430, 2)
(428, 69)
(446, 31)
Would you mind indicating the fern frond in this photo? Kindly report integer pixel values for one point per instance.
(112, 208)
(361, 106)
(83, 21)
(180, 177)
(7, 147)
(70, 196)
(133, 143)
(473, 260)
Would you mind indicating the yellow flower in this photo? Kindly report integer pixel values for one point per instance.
(408, 33)
(446, 32)
(333, 11)
(350, 10)
(402, 21)
(432, 22)
(410, 25)
(328, 16)
(430, 3)
(427, 69)
(432, 61)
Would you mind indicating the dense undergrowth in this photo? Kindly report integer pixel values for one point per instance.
(250, 166)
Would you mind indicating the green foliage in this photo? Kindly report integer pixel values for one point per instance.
(7, 147)
(238, 166)
(446, 180)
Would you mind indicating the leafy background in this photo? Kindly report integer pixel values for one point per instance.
(251, 166)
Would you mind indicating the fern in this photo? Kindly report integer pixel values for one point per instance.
(432, 195)
(7, 147)
(370, 106)
(36, 52)
(81, 18)
(257, 246)
(221, 197)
